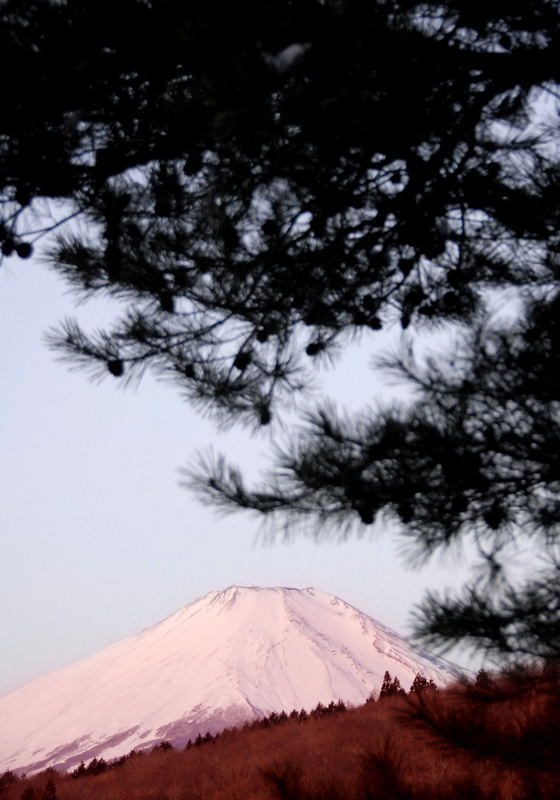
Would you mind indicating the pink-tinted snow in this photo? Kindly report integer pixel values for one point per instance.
(226, 657)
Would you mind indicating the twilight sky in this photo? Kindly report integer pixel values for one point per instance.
(100, 541)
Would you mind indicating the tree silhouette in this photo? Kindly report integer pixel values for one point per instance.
(7, 778)
(421, 683)
(484, 680)
(258, 183)
(391, 687)
(50, 790)
(386, 685)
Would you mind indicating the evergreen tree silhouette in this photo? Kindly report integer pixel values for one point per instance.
(50, 790)
(258, 184)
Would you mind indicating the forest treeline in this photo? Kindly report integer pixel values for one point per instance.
(494, 737)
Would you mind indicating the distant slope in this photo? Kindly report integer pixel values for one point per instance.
(227, 657)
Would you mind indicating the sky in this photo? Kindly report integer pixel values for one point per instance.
(100, 541)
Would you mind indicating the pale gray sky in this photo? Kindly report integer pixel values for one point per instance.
(99, 540)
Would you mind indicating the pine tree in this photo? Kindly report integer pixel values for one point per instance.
(7, 778)
(256, 176)
(50, 790)
(385, 686)
(419, 683)
(80, 771)
(484, 680)
(391, 687)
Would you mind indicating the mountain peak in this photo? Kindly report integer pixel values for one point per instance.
(228, 656)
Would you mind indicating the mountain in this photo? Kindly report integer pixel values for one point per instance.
(225, 658)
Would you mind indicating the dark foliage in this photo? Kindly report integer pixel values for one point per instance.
(7, 778)
(320, 711)
(484, 680)
(163, 747)
(260, 181)
(391, 687)
(421, 684)
(98, 766)
(463, 741)
(50, 791)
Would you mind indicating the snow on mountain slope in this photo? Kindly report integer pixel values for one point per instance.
(227, 657)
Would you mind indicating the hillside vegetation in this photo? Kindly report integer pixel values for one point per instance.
(494, 738)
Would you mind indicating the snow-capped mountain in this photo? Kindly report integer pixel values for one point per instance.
(225, 658)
